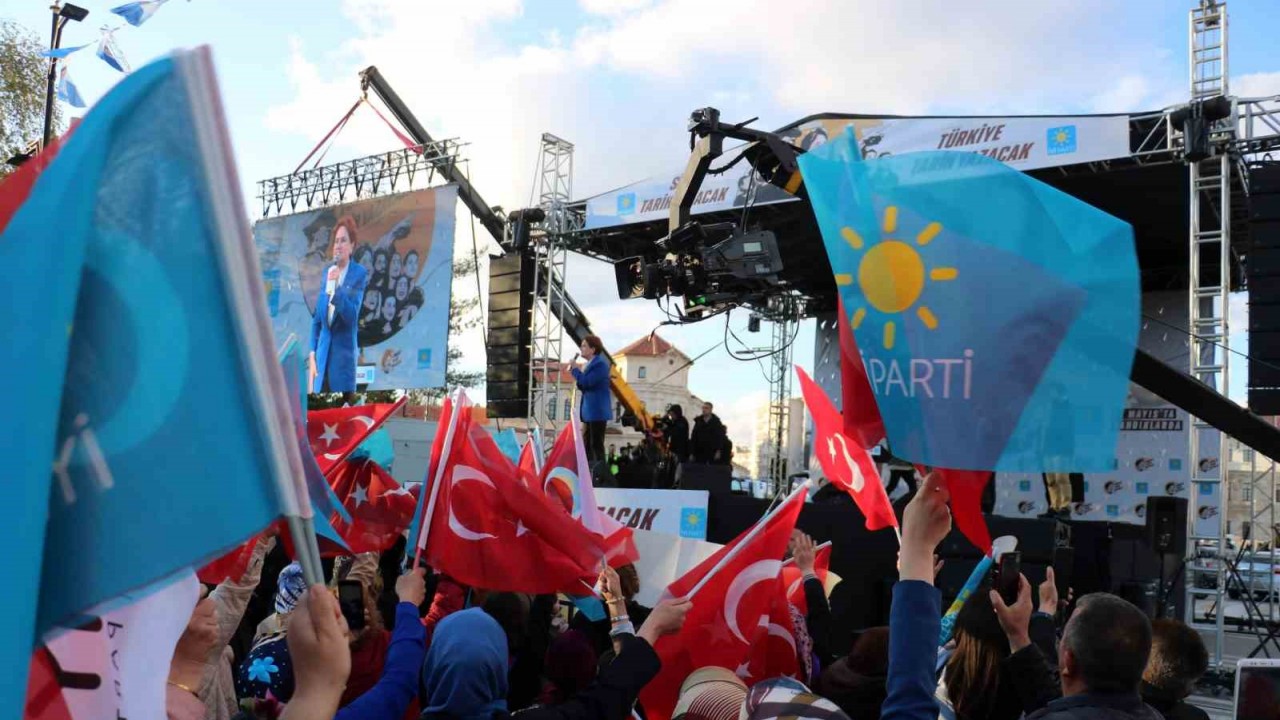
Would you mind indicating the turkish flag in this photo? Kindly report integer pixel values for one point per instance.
(793, 579)
(566, 478)
(862, 419)
(16, 186)
(844, 460)
(231, 566)
(529, 460)
(773, 645)
(732, 591)
(336, 433)
(380, 507)
(965, 488)
(485, 528)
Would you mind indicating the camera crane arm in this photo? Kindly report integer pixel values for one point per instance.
(775, 160)
(771, 156)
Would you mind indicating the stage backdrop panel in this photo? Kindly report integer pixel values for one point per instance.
(405, 242)
(1152, 448)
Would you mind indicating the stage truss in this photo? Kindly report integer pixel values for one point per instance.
(555, 188)
(394, 171)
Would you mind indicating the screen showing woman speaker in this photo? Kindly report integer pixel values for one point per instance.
(365, 286)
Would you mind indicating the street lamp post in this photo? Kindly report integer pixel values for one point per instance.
(61, 14)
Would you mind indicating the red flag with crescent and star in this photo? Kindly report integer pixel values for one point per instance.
(862, 419)
(733, 592)
(566, 478)
(774, 652)
(844, 460)
(336, 432)
(793, 579)
(965, 488)
(380, 507)
(486, 528)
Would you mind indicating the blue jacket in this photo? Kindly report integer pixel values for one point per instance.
(915, 619)
(593, 381)
(335, 343)
(398, 686)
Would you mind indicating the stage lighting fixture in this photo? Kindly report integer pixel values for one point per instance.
(753, 323)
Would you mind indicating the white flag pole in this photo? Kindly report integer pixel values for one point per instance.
(424, 530)
(755, 530)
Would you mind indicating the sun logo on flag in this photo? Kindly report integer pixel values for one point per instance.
(892, 274)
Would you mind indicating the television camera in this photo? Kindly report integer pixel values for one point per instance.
(714, 264)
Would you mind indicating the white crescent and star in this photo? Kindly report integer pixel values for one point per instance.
(463, 473)
(757, 572)
(330, 434)
(855, 474)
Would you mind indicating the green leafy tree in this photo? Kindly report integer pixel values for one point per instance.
(464, 314)
(23, 78)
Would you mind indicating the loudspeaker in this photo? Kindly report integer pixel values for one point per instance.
(1167, 525)
(1262, 275)
(510, 339)
(715, 479)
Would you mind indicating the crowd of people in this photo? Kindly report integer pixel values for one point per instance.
(276, 648)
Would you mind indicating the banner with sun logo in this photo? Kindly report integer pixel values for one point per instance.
(996, 316)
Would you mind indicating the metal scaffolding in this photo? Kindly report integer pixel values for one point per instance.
(547, 402)
(785, 314)
(372, 176)
(1207, 297)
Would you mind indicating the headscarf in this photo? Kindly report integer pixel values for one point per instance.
(290, 586)
(570, 667)
(804, 643)
(787, 698)
(465, 674)
(710, 693)
(266, 671)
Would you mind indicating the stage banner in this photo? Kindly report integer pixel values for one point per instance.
(1151, 450)
(1024, 143)
(664, 558)
(404, 246)
(668, 512)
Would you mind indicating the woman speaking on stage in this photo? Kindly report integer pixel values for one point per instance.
(597, 405)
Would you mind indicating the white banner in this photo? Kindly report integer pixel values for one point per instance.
(116, 662)
(670, 512)
(663, 559)
(1025, 143)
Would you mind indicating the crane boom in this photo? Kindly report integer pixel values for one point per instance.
(574, 321)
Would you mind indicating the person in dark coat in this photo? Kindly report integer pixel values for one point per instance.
(677, 433)
(1101, 661)
(1178, 659)
(706, 442)
(465, 678)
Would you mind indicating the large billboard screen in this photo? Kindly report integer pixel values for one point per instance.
(365, 285)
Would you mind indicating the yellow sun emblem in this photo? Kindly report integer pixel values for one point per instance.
(1061, 136)
(892, 274)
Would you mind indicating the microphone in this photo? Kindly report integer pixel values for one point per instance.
(331, 282)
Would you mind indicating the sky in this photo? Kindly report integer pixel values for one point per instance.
(618, 78)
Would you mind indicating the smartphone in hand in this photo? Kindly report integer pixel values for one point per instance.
(1007, 574)
(351, 601)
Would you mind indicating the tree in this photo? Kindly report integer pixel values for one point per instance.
(463, 315)
(23, 78)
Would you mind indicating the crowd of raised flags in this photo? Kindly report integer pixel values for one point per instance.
(176, 431)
